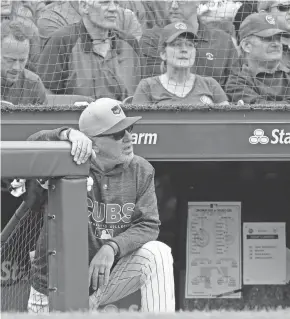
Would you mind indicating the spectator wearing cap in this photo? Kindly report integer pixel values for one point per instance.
(178, 85)
(62, 13)
(91, 57)
(279, 10)
(215, 54)
(263, 78)
(18, 85)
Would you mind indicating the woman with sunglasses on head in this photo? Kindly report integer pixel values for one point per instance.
(177, 85)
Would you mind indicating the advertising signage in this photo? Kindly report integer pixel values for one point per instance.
(217, 141)
(181, 136)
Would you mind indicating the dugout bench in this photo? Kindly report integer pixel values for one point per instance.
(212, 154)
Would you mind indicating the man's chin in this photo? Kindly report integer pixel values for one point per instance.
(128, 159)
(11, 79)
(108, 25)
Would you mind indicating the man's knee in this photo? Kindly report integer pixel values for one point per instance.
(157, 250)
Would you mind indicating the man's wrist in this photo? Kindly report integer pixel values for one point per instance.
(114, 246)
(64, 135)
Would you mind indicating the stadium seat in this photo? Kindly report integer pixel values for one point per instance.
(67, 99)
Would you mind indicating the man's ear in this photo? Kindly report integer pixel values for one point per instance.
(163, 55)
(246, 45)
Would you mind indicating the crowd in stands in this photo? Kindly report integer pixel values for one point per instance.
(146, 52)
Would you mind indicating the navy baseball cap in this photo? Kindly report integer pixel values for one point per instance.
(105, 116)
(261, 24)
(173, 30)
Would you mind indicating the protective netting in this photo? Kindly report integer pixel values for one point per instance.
(17, 253)
(72, 61)
(73, 65)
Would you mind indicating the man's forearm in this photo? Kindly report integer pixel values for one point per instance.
(136, 236)
(49, 135)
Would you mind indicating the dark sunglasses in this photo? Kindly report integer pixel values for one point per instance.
(269, 39)
(283, 7)
(118, 136)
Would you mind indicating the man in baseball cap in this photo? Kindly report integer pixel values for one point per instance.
(263, 78)
(260, 24)
(123, 218)
(281, 12)
(105, 117)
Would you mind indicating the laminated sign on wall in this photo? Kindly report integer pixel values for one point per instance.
(213, 250)
(264, 253)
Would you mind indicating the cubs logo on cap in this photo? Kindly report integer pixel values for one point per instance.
(209, 56)
(180, 26)
(206, 100)
(270, 19)
(116, 110)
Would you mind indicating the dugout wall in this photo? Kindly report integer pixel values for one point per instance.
(211, 155)
(66, 197)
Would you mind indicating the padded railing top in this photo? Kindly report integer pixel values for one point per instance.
(34, 159)
(154, 108)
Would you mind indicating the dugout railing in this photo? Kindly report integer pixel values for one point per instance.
(67, 228)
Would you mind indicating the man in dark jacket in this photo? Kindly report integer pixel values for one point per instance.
(123, 217)
(263, 78)
(18, 85)
(91, 57)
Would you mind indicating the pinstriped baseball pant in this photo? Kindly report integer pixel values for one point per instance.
(149, 269)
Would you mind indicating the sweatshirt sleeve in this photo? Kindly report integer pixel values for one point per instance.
(145, 226)
(47, 135)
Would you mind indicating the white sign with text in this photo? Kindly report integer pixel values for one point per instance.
(213, 256)
(264, 253)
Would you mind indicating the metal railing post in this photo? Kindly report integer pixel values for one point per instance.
(68, 244)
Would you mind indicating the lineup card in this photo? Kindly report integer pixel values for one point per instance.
(213, 250)
(264, 253)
